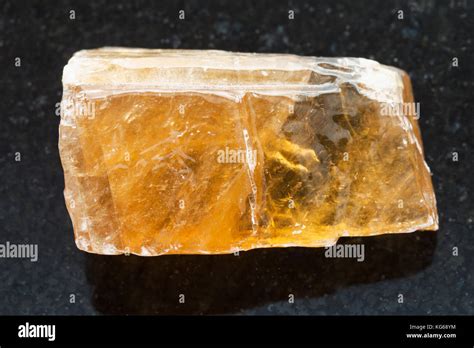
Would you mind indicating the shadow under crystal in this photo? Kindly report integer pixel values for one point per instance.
(228, 284)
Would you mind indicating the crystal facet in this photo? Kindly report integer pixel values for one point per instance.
(207, 152)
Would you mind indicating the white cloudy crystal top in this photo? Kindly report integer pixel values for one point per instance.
(115, 69)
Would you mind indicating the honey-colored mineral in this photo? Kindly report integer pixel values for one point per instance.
(207, 152)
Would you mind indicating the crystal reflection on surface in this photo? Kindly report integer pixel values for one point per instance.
(227, 284)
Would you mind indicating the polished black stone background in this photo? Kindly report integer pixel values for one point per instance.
(420, 265)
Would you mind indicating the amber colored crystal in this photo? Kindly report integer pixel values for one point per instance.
(207, 152)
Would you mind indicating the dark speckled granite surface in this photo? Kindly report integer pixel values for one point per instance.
(421, 266)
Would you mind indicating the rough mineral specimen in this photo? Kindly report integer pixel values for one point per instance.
(206, 152)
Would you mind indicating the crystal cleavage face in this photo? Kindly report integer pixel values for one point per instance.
(207, 152)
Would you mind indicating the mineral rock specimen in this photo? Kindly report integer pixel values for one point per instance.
(207, 152)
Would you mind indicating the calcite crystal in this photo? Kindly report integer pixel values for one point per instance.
(207, 152)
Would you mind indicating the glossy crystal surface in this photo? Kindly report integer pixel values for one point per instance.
(203, 152)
